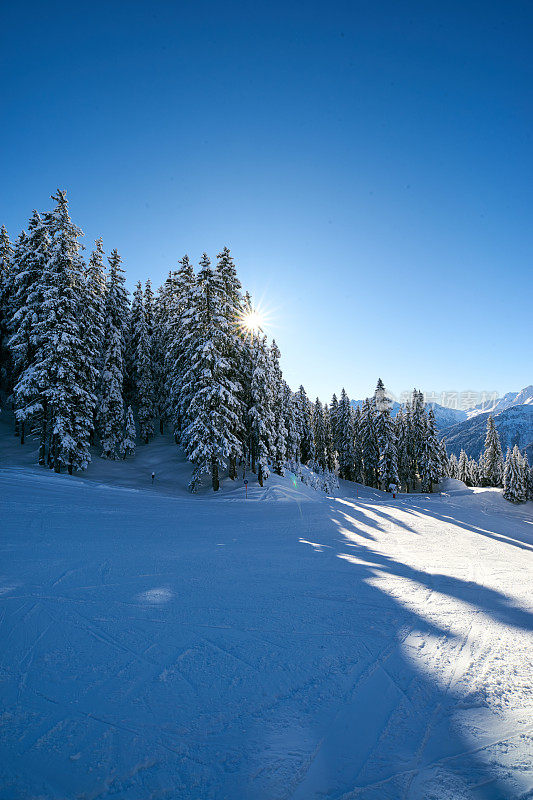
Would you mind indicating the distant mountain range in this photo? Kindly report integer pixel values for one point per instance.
(525, 397)
(514, 425)
(466, 429)
(513, 416)
(444, 417)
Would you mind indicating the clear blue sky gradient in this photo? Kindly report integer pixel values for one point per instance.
(368, 163)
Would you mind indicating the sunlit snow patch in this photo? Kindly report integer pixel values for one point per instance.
(156, 596)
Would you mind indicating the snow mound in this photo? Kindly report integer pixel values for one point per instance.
(454, 486)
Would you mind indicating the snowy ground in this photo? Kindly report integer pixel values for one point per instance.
(158, 645)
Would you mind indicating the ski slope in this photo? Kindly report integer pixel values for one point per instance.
(159, 645)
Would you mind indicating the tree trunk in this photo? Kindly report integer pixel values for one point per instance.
(42, 443)
(22, 432)
(260, 475)
(214, 476)
(50, 446)
(161, 426)
(232, 467)
(57, 463)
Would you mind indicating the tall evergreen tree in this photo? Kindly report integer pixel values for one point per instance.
(430, 457)
(418, 431)
(345, 437)
(163, 342)
(492, 456)
(278, 412)
(144, 389)
(514, 479)
(386, 439)
(319, 434)
(178, 329)
(358, 463)
(6, 275)
(462, 468)
(111, 408)
(402, 430)
(260, 413)
(333, 412)
(234, 347)
(93, 326)
(330, 453)
(62, 357)
(213, 410)
(291, 423)
(305, 424)
(29, 280)
(369, 443)
(453, 469)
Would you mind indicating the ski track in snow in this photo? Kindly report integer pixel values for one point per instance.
(288, 648)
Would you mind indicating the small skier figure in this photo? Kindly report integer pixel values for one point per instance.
(393, 489)
(153, 478)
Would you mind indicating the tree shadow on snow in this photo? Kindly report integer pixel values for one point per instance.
(401, 733)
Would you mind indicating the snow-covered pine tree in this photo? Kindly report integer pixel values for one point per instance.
(260, 413)
(93, 325)
(177, 331)
(6, 274)
(472, 469)
(330, 453)
(213, 410)
(514, 485)
(144, 389)
(62, 358)
(444, 468)
(418, 429)
(526, 472)
(453, 466)
(529, 477)
(305, 424)
(386, 438)
(319, 434)
(291, 424)
(369, 443)
(402, 429)
(278, 411)
(430, 456)
(231, 286)
(131, 341)
(345, 437)
(480, 470)
(148, 301)
(162, 344)
(130, 434)
(111, 406)
(492, 456)
(141, 365)
(333, 411)
(358, 464)
(29, 279)
(462, 468)
(232, 304)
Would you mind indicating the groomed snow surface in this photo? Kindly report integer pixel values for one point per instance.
(159, 645)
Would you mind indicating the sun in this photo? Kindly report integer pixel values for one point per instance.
(252, 320)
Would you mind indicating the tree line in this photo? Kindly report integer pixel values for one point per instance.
(85, 366)
(512, 473)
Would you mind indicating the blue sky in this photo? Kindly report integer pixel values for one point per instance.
(368, 163)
